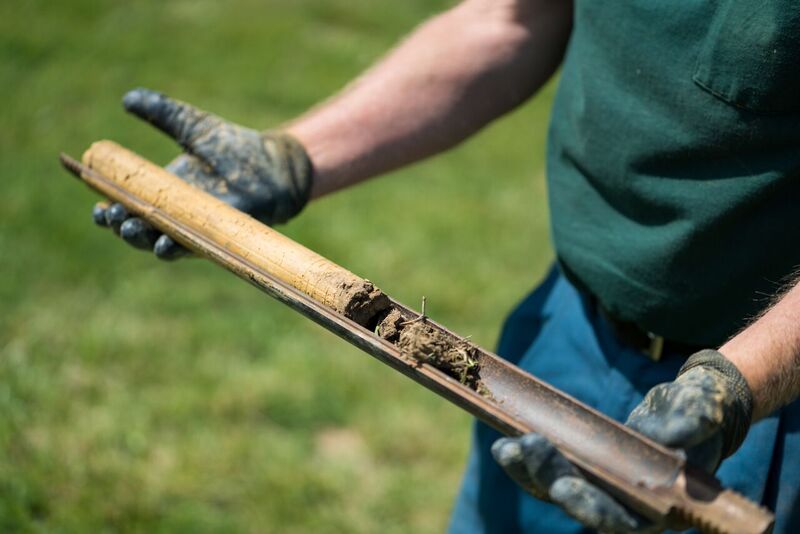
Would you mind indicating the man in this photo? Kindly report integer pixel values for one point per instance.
(672, 167)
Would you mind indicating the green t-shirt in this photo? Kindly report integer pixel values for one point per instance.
(674, 160)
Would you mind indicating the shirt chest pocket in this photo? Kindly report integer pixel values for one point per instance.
(750, 57)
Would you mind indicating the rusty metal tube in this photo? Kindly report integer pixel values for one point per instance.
(653, 480)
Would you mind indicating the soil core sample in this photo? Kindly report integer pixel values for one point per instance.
(419, 340)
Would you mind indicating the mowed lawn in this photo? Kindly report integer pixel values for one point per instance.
(142, 396)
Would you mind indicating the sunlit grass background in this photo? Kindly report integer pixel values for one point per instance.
(139, 396)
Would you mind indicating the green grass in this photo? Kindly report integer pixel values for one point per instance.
(142, 396)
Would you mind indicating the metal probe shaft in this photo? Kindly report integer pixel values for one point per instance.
(653, 480)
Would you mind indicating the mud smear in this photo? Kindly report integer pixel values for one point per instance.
(417, 339)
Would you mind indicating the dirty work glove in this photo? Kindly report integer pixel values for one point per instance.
(265, 174)
(706, 411)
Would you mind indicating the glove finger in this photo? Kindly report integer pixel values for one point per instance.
(544, 463)
(554, 478)
(507, 452)
(116, 214)
(533, 462)
(594, 508)
(179, 120)
(99, 214)
(139, 234)
(167, 249)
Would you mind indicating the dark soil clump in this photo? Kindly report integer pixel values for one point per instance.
(390, 326)
(360, 301)
(417, 339)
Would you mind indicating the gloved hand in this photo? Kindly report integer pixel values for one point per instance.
(706, 411)
(265, 174)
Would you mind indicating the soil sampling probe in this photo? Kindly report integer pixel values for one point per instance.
(655, 481)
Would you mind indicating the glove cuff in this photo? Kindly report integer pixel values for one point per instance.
(738, 414)
(294, 172)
